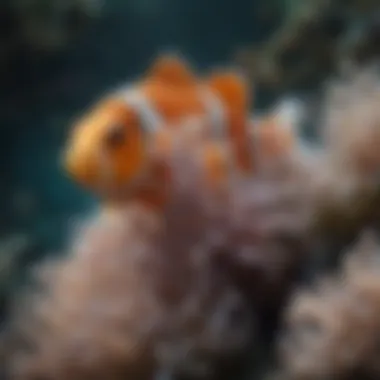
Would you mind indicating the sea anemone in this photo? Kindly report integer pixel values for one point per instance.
(332, 331)
(140, 294)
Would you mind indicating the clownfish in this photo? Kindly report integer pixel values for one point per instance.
(108, 149)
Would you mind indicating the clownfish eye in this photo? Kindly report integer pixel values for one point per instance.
(115, 136)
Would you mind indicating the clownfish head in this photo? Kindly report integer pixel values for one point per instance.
(109, 148)
(106, 148)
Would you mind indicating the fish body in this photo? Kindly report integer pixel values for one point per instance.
(109, 150)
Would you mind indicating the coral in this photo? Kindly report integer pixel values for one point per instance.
(332, 330)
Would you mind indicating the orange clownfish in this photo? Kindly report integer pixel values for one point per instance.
(108, 149)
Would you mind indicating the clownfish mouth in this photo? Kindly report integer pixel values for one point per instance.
(95, 173)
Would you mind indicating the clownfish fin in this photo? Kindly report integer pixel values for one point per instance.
(172, 69)
(232, 88)
(234, 92)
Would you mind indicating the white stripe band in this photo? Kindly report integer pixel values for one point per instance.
(151, 120)
(215, 112)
